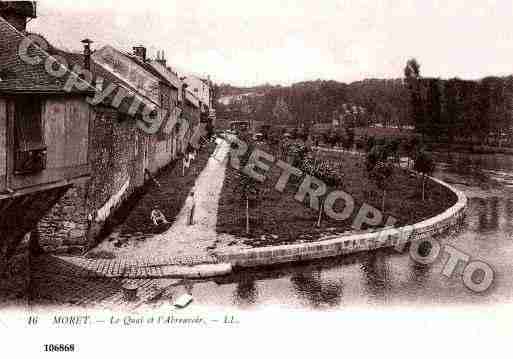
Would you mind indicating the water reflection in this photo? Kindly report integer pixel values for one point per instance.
(419, 274)
(491, 214)
(488, 214)
(376, 275)
(246, 293)
(308, 284)
(485, 171)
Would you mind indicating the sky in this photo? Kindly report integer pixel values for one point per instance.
(246, 43)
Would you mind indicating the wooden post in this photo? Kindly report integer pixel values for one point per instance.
(319, 220)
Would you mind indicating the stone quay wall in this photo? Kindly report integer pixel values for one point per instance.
(63, 230)
(443, 224)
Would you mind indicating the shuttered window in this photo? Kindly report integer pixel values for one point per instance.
(28, 125)
(30, 149)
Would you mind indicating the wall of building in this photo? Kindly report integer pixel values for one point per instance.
(118, 63)
(166, 147)
(159, 148)
(118, 160)
(162, 155)
(64, 228)
(192, 115)
(116, 156)
(199, 88)
(173, 119)
(66, 133)
(183, 135)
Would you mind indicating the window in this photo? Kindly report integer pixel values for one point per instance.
(30, 149)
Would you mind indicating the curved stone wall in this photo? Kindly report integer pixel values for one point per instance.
(439, 225)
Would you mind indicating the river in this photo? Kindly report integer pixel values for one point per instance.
(389, 278)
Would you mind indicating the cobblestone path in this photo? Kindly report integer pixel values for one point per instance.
(59, 281)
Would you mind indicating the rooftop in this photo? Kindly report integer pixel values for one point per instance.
(103, 79)
(19, 76)
(150, 68)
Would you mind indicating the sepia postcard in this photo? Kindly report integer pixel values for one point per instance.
(281, 178)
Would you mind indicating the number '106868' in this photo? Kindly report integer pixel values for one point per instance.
(59, 347)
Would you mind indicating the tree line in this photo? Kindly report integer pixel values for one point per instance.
(461, 111)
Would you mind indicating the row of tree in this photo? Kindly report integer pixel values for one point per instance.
(477, 112)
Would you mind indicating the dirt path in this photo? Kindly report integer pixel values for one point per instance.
(192, 240)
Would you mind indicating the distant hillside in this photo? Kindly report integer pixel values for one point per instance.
(310, 102)
(228, 90)
(449, 109)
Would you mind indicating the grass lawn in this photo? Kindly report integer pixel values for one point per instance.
(277, 218)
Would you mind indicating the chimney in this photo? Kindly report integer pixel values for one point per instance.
(87, 53)
(140, 52)
(161, 58)
(17, 12)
